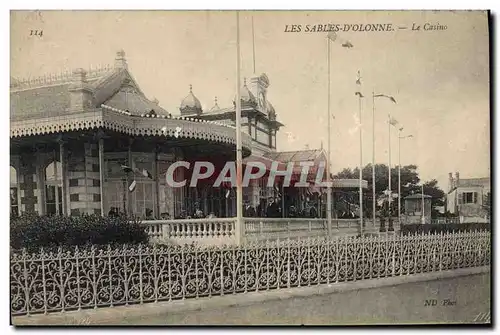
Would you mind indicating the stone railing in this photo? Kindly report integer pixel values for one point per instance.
(217, 231)
(283, 228)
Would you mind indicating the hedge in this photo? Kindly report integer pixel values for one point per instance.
(33, 232)
(444, 227)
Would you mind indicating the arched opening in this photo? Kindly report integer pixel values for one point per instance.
(53, 188)
(14, 192)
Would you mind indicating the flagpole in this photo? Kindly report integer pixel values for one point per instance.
(239, 191)
(253, 46)
(390, 185)
(374, 208)
(360, 166)
(399, 177)
(328, 179)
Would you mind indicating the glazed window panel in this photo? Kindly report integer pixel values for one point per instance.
(143, 162)
(116, 199)
(14, 203)
(113, 167)
(53, 203)
(14, 192)
(166, 192)
(262, 137)
(53, 188)
(143, 200)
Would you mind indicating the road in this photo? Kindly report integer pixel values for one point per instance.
(457, 300)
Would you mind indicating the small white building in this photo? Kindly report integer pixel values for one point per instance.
(467, 198)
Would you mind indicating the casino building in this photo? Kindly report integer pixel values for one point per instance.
(71, 135)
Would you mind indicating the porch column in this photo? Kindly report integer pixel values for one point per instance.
(39, 181)
(129, 176)
(101, 172)
(157, 181)
(64, 175)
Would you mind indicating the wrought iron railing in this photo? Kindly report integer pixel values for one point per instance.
(49, 282)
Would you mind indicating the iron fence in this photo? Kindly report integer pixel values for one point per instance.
(60, 281)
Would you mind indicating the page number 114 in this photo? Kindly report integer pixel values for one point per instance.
(38, 33)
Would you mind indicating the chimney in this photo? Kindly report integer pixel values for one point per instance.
(120, 61)
(81, 94)
(457, 179)
(450, 182)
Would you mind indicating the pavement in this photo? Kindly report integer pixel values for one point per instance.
(456, 296)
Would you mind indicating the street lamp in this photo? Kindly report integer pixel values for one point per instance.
(331, 37)
(399, 171)
(373, 153)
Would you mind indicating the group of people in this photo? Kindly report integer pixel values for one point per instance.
(274, 209)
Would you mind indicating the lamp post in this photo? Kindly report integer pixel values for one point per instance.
(373, 155)
(331, 37)
(399, 171)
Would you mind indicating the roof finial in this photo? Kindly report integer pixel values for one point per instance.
(190, 88)
(120, 61)
(216, 100)
(244, 81)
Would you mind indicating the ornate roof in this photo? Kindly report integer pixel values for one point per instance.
(190, 104)
(50, 95)
(122, 121)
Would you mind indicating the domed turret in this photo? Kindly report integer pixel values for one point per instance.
(247, 98)
(190, 104)
(215, 107)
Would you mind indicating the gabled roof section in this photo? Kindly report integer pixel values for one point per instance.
(297, 156)
(119, 90)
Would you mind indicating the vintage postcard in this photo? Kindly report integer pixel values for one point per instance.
(250, 167)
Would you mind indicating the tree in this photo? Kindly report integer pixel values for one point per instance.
(410, 184)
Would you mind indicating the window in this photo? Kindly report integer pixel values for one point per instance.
(143, 197)
(166, 193)
(14, 193)
(143, 200)
(262, 137)
(117, 182)
(469, 197)
(53, 189)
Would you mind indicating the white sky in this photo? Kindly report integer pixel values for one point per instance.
(439, 78)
